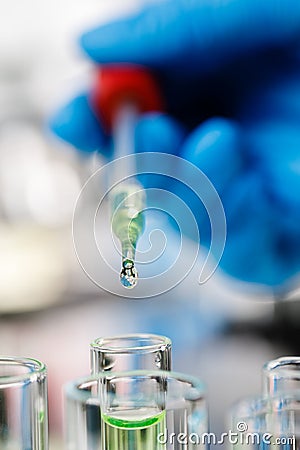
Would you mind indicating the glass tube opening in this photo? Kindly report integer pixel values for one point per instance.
(16, 370)
(131, 343)
(281, 374)
(192, 388)
(130, 352)
(23, 404)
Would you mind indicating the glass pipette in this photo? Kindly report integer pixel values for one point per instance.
(121, 93)
(127, 198)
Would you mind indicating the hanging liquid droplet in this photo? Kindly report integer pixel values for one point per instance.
(128, 275)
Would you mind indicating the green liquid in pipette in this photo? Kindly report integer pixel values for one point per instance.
(133, 430)
(128, 203)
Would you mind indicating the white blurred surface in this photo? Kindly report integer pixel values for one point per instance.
(39, 53)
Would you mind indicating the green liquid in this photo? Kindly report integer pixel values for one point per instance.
(133, 430)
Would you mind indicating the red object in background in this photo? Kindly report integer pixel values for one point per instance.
(116, 85)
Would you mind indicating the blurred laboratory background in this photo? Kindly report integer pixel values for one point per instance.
(49, 308)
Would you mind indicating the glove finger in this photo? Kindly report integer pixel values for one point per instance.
(256, 254)
(249, 255)
(77, 124)
(275, 145)
(250, 250)
(214, 147)
(159, 133)
(204, 33)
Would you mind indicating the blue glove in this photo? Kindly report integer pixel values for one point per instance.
(234, 68)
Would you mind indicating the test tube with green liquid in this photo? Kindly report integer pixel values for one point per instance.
(124, 353)
(132, 412)
(139, 351)
(140, 410)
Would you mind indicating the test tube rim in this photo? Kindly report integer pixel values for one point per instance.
(275, 367)
(162, 342)
(75, 389)
(37, 370)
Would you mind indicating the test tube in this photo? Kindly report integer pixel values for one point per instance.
(124, 353)
(266, 422)
(137, 412)
(281, 375)
(23, 404)
(130, 352)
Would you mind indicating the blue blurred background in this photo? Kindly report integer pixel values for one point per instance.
(222, 331)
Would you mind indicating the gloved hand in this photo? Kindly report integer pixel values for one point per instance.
(230, 72)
